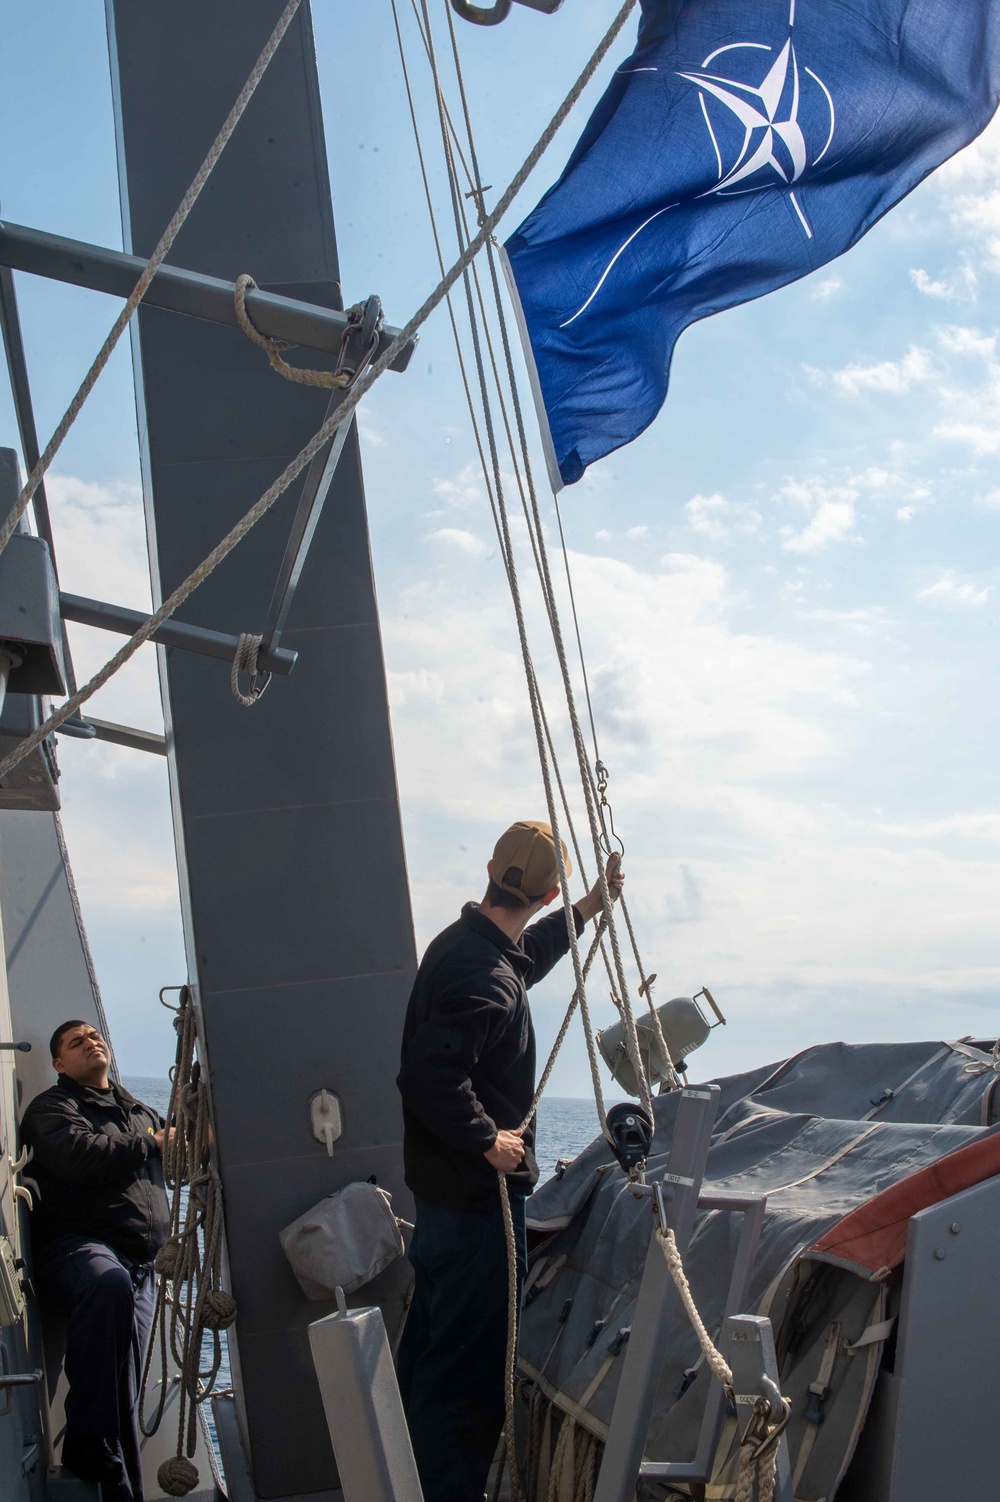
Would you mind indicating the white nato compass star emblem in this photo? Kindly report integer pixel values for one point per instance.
(766, 131)
(769, 115)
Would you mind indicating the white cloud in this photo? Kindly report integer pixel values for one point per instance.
(866, 620)
(832, 514)
(965, 341)
(115, 802)
(742, 870)
(905, 513)
(464, 491)
(833, 522)
(636, 534)
(893, 376)
(460, 541)
(100, 543)
(961, 287)
(950, 589)
(716, 517)
(824, 290)
(705, 514)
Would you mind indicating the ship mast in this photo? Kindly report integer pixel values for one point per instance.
(296, 908)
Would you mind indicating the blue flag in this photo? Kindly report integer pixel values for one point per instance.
(739, 147)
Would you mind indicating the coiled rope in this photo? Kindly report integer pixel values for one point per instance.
(245, 661)
(329, 426)
(191, 1301)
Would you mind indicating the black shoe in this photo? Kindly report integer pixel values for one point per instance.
(93, 1459)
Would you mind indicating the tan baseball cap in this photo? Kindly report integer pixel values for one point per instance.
(524, 860)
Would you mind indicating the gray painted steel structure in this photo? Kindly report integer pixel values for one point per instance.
(296, 907)
(931, 1431)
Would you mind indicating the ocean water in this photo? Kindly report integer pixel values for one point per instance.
(565, 1127)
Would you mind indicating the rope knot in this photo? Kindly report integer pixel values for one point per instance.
(168, 1260)
(245, 661)
(177, 1476)
(218, 1311)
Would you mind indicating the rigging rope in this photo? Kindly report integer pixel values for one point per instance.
(759, 1447)
(543, 740)
(330, 425)
(190, 1299)
(494, 481)
(536, 534)
(141, 287)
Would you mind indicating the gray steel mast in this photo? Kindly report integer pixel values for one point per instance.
(296, 908)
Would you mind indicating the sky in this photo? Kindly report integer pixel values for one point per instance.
(788, 587)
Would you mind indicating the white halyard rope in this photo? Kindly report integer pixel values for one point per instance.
(542, 737)
(141, 287)
(758, 1458)
(329, 427)
(541, 560)
(717, 1363)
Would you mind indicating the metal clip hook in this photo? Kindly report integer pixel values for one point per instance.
(481, 15)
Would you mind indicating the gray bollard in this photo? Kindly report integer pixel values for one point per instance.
(364, 1412)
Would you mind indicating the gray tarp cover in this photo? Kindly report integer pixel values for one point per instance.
(846, 1121)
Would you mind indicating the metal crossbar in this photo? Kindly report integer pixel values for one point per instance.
(179, 291)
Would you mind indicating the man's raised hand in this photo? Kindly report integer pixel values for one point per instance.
(506, 1152)
(590, 906)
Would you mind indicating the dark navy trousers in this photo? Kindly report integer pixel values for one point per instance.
(108, 1302)
(451, 1358)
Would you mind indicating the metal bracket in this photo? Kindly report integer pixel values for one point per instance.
(492, 15)
(22, 1379)
(171, 634)
(125, 735)
(208, 297)
(315, 489)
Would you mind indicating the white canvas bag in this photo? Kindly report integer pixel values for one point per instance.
(343, 1242)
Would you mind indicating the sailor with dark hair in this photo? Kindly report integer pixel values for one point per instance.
(467, 1079)
(100, 1219)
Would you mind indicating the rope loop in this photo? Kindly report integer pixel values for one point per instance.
(363, 318)
(245, 661)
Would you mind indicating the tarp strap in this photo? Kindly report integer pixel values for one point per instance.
(848, 1148)
(934, 1059)
(819, 1390)
(880, 1331)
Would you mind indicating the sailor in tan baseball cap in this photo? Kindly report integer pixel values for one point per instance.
(524, 862)
(467, 1080)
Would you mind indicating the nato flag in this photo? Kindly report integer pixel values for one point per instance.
(738, 148)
